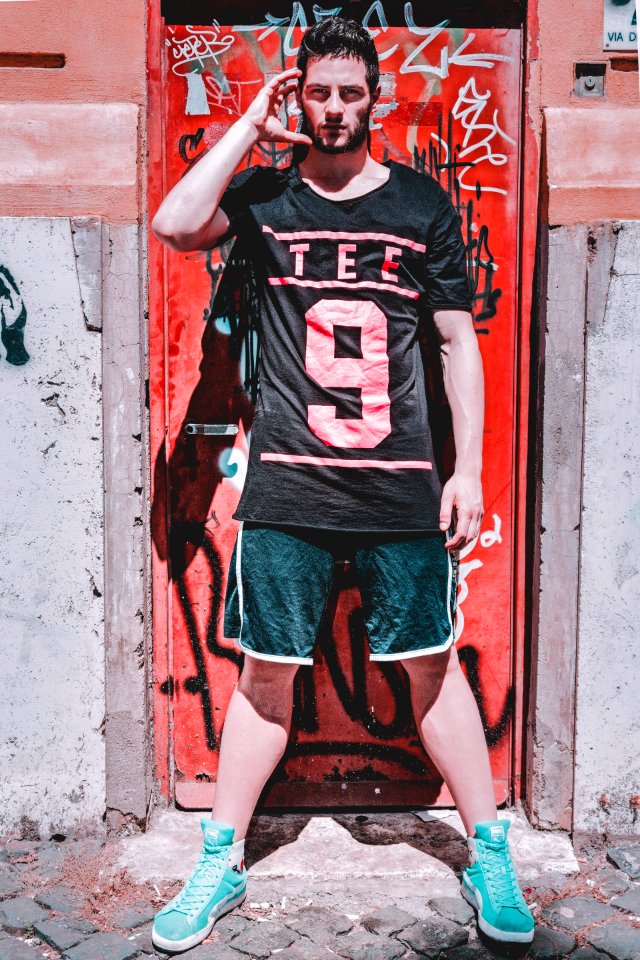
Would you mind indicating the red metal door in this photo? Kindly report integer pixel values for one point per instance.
(450, 107)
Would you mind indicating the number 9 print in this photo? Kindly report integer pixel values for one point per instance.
(369, 373)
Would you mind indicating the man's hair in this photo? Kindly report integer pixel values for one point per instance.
(337, 37)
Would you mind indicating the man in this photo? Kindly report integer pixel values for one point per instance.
(347, 254)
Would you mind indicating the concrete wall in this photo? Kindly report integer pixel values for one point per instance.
(582, 767)
(607, 759)
(557, 442)
(75, 574)
(126, 529)
(52, 757)
(74, 725)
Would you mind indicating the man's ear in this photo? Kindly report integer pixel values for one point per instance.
(375, 96)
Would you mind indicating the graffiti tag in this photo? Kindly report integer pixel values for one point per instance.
(476, 146)
(487, 539)
(198, 49)
(13, 317)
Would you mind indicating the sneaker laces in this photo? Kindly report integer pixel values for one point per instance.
(207, 873)
(501, 875)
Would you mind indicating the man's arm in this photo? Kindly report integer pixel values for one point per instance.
(189, 217)
(464, 386)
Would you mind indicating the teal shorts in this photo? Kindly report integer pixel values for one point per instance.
(280, 580)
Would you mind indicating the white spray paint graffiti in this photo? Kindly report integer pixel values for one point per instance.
(298, 18)
(469, 109)
(433, 59)
(487, 539)
(198, 48)
(192, 55)
(446, 57)
(378, 9)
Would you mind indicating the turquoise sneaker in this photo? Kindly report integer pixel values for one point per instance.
(212, 890)
(491, 886)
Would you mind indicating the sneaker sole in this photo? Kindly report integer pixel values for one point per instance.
(178, 946)
(473, 897)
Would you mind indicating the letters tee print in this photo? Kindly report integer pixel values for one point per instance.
(341, 436)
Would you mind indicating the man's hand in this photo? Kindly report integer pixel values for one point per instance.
(464, 493)
(263, 112)
(190, 217)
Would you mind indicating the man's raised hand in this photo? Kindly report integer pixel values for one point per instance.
(263, 113)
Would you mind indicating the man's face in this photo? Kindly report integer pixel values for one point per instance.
(336, 104)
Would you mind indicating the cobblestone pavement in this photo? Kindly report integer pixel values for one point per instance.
(67, 898)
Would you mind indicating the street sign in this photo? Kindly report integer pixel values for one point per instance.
(620, 25)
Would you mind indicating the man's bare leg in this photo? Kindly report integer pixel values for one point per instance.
(450, 728)
(254, 738)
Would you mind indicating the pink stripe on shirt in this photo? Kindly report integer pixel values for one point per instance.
(353, 464)
(344, 284)
(345, 235)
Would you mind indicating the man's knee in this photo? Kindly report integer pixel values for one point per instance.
(427, 675)
(432, 666)
(267, 685)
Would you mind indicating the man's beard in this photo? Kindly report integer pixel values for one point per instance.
(354, 140)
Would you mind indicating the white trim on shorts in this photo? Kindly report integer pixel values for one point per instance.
(427, 650)
(239, 577)
(306, 661)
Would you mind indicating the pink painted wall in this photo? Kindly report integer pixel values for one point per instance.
(70, 162)
(61, 157)
(573, 32)
(591, 146)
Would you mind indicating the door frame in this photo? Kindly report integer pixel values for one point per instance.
(523, 569)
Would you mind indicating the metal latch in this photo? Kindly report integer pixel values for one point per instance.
(211, 429)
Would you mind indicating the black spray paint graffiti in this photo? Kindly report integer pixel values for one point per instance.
(351, 687)
(182, 536)
(13, 317)
(443, 164)
(188, 143)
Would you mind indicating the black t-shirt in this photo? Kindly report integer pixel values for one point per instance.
(341, 436)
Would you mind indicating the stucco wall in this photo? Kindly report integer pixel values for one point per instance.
(607, 760)
(591, 145)
(52, 759)
(71, 136)
(573, 33)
